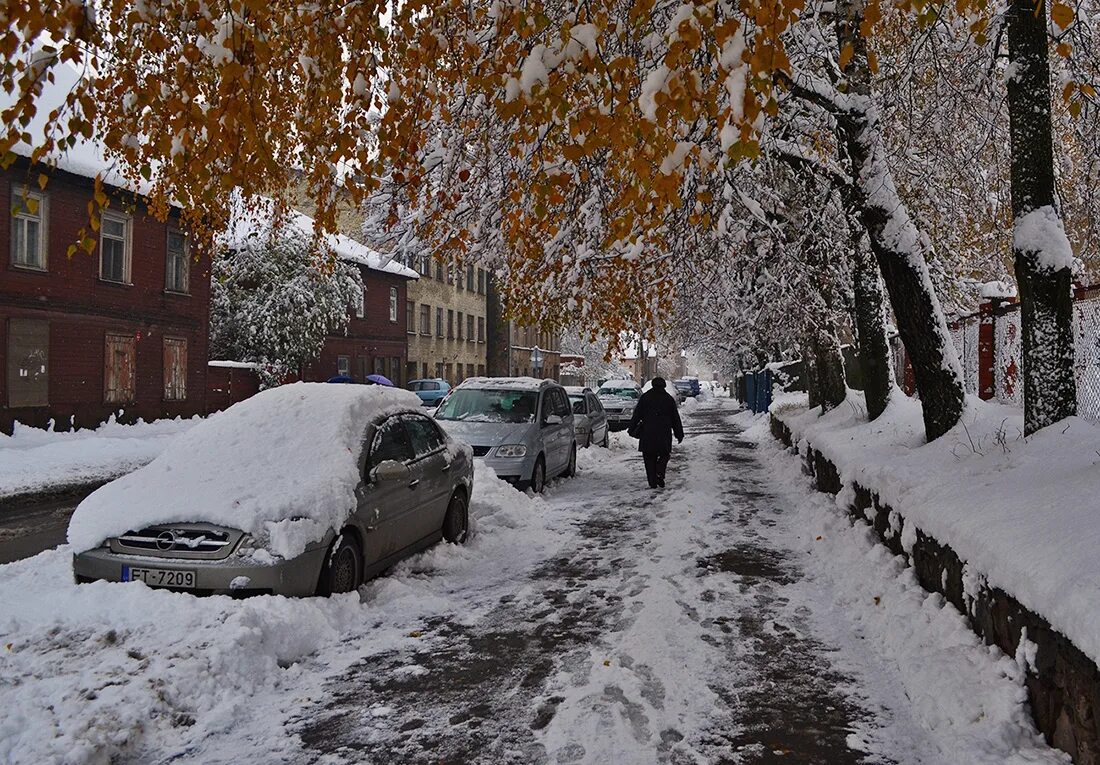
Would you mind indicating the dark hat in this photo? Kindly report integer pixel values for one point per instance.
(658, 382)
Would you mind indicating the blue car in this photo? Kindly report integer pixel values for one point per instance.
(431, 392)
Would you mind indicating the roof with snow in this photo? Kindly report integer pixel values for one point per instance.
(253, 220)
(87, 157)
(282, 466)
(508, 383)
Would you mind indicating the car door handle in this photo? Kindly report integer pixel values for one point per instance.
(414, 484)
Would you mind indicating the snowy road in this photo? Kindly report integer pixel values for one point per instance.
(734, 617)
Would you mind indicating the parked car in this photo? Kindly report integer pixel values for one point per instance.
(690, 385)
(521, 426)
(432, 391)
(684, 388)
(589, 419)
(301, 489)
(618, 398)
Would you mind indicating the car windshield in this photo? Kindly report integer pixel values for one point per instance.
(620, 392)
(423, 385)
(489, 405)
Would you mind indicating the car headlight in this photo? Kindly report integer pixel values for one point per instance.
(512, 450)
(628, 410)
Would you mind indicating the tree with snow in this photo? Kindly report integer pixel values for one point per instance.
(274, 299)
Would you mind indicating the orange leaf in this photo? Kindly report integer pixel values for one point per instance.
(846, 54)
(1062, 15)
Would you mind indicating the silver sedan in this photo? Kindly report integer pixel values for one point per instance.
(414, 490)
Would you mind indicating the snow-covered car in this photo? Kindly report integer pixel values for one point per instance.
(618, 398)
(521, 426)
(302, 489)
(589, 419)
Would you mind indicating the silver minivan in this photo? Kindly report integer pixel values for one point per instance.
(522, 427)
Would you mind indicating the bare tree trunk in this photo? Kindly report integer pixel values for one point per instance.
(830, 367)
(1041, 250)
(498, 333)
(874, 353)
(810, 372)
(895, 240)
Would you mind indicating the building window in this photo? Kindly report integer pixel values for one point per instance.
(120, 360)
(343, 366)
(439, 322)
(28, 232)
(439, 270)
(410, 317)
(393, 304)
(424, 366)
(425, 319)
(460, 325)
(395, 371)
(448, 373)
(481, 329)
(28, 362)
(410, 371)
(439, 370)
(469, 370)
(359, 304)
(470, 278)
(469, 328)
(481, 281)
(176, 263)
(451, 274)
(480, 370)
(425, 265)
(175, 369)
(458, 276)
(114, 249)
(450, 323)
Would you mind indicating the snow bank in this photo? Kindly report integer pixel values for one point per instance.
(285, 454)
(35, 460)
(1021, 512)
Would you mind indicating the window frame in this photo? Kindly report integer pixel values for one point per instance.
(359, 304)
(481, 329)
(185, 259)
(395, 298)
(180, 385)
(346, 372)
(127, 246)
(131, 341)
(21, 332)
(470, 324)
(425, 320)
(410, 317)
(20, 192)
(395, 421)
(439, 322)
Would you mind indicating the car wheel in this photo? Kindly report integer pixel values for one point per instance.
(538, 476)
(456, 523)
(571, 468)
(342, 570)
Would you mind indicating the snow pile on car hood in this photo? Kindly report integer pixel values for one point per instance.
(282, 465)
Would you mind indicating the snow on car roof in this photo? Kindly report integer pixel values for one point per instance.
(287, 453)
(620, 384)
(576, 390)
(513, 383)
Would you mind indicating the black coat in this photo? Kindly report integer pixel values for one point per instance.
(656, 417)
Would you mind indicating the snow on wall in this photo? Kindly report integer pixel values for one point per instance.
(969, 353)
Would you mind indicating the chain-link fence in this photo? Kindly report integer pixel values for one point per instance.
(1086, 334)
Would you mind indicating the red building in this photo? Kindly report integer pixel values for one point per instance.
(121, 331)
(376, 342)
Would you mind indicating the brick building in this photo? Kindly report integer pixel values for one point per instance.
(376, 340)
(121, 331)
(445, 319)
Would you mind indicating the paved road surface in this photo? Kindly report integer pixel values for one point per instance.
(28, 528)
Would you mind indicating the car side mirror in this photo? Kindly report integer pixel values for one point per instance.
(389, 470)
(552, 419)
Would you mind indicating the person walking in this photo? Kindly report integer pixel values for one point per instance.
(656, 418)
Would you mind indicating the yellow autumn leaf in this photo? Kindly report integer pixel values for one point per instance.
(846, 54)
(1062, 15)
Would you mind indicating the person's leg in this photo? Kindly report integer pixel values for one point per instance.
(659, 467)
(650, 459)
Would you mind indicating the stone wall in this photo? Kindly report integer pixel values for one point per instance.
(1063, 685)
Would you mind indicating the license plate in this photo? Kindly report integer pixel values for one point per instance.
(158, 577)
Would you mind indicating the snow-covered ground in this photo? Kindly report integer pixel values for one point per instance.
(732, 617)
(36, 460)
